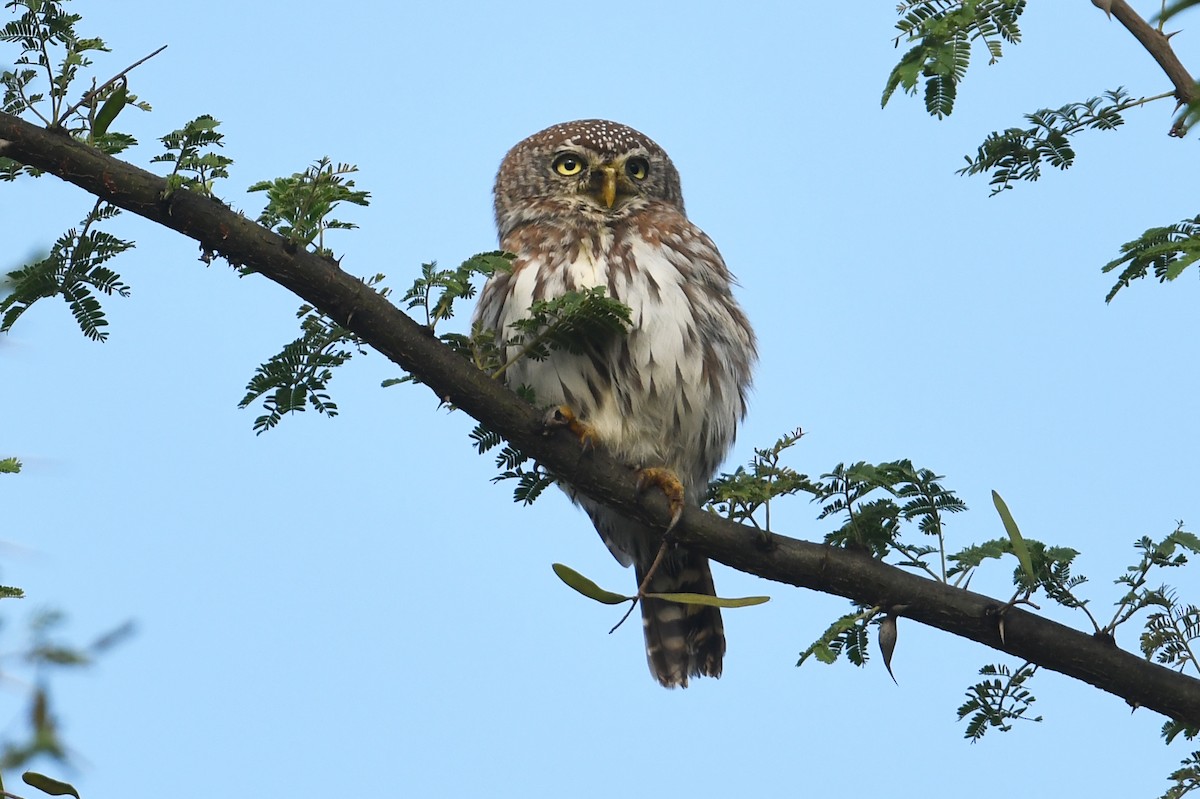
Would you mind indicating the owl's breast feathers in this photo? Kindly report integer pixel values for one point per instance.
(670, 392)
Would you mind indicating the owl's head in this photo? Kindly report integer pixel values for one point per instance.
(591, 170)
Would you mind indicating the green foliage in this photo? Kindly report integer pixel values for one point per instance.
(42, 30)
(52, 53)
(592, 591)
(876, 526)
(998, 701)
(1171, 9)
(436, 290)
(74, 270)
(740, 494)
(1016, 540)
(847, 635)
(925, 501)
(1187, 777)
(587, 587)
(45, 655)
(578, 322)
(298, 375)
(299, 207)
(1166, 251)
(49, 785)
(1017, 154)
(1173, 728)
(1169, 553)
(532, 480)
(197, 167)
(1170, 634)
(9, 466)
(707, 600)
(942, 33)
(869, 526)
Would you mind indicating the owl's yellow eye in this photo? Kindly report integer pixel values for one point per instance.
(568, 164)
(637, 168)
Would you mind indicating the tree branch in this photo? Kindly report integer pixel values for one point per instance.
(1095, 660)
(1158, 44)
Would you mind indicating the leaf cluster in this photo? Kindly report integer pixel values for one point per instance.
(532, 478)
(43, 28)
(739, 495)
(1186, 777)
(1017, 154)
(1165, 251)
(593, 591)
(75, 270)
(580, 322)
(847, 636)
(196, 166)
(52, 54)
(998, 701)
(48, 653)
(437, 290)
(913, 495)
(299, 207)
(942, 33)
(298, 375)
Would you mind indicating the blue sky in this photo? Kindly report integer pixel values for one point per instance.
(350, 606)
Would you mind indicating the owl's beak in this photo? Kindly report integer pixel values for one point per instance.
(608, 188)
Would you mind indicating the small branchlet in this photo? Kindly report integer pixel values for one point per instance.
(999, 701)
(1017, 154)
(75, 270)
(197, 167)
(1186, 777)
(1169, 553)
(299, 207)
(1165, 251)
(740, 495)
(298, 376)
(437, 290)
(942, 33)
(579, 322)
(847, 636)
(532, 478)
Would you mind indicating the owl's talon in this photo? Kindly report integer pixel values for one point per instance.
(666, 480)
(563, 416)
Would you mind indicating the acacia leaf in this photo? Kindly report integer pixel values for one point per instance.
(586, 587)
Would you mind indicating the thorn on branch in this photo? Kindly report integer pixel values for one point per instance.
(1105, 6)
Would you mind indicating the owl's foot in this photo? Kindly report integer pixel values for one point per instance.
(563, 416)
(666, 480)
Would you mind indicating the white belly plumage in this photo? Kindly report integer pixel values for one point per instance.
(664, 407)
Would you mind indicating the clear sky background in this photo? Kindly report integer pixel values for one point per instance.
(350, 607)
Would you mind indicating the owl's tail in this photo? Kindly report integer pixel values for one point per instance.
(682, 641)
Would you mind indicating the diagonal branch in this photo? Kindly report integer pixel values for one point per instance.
(1093, 659)
(1158, 44)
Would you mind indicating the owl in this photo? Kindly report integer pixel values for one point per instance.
(595, 203)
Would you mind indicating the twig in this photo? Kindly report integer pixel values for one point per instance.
(641, 592)
(88, 95)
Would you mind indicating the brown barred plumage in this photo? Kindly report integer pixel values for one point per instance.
(595, 203)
